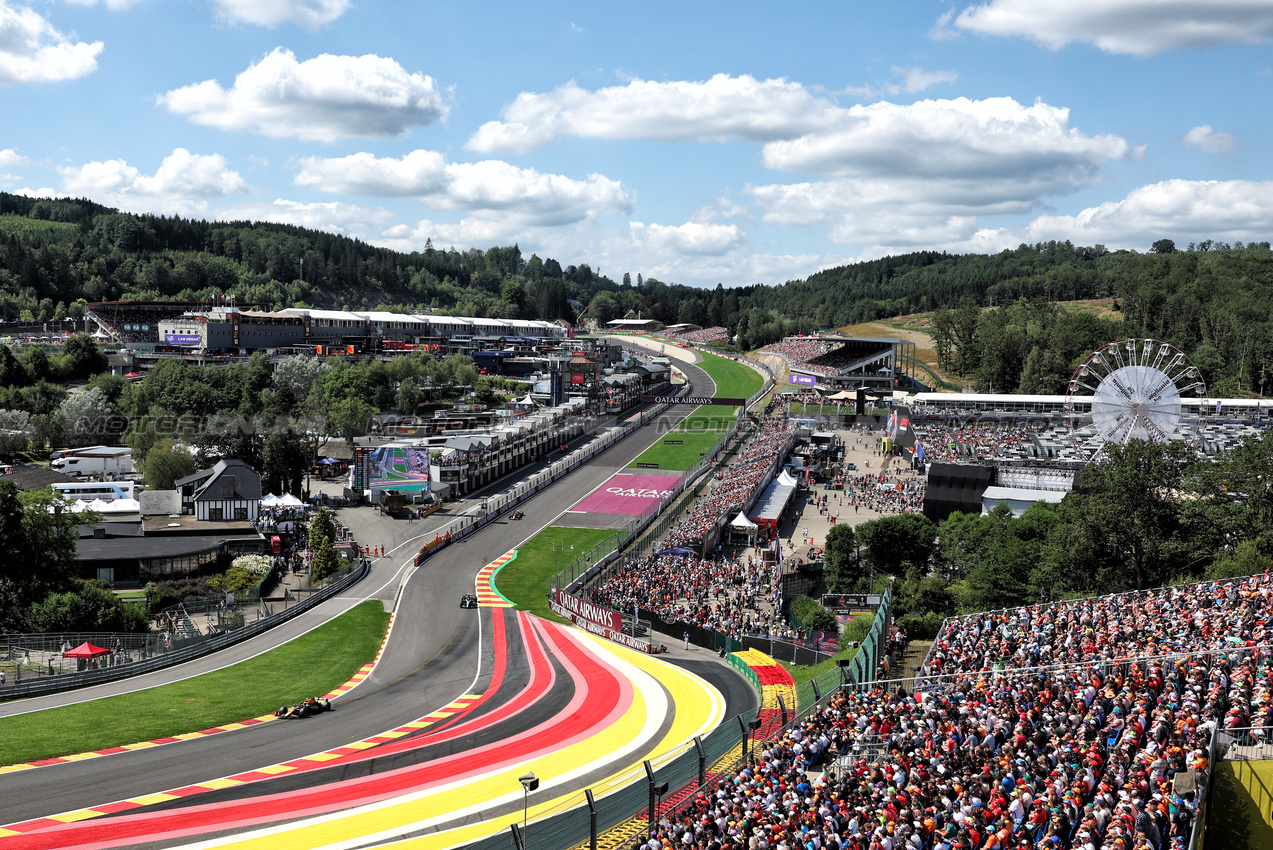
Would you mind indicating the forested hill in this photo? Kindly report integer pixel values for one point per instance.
(1212, 300)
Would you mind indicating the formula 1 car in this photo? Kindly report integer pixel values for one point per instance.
(516, 515)
(468, 600)
(307, 708)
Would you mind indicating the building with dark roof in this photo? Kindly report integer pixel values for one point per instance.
(230, 490)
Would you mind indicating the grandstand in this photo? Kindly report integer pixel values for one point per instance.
(839, 362)
(1092, 723)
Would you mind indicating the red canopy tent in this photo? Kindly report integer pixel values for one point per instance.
(85, 650)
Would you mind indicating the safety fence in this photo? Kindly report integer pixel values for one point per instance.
(144, 652)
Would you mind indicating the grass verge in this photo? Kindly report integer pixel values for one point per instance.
(312, 664)
(526, 580)
(700, 431)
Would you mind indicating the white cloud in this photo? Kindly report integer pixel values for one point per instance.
(1183, 210)
(720, 108)
(689, 238)
(961, 138)
(332, 216)
(327, 99)
(917, 79)
(181, 184)
(33, 51)
(1209, 140)
(519, 194)
(9, 157)
(310, 14)
(923, 173)
(1138, 27)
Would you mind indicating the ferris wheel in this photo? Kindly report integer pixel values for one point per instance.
(1139, 389)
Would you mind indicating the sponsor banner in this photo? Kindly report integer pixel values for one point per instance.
(609, 634)
(803, 380)
(628, 494)
(691, 399)
(577, 377)
(673, 442)
(182, 339)
(589, 611)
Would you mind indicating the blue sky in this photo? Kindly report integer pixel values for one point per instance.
(695, 143)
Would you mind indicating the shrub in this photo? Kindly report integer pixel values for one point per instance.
(921, 626)
(812, 615)
(257, 565)
(234, 580)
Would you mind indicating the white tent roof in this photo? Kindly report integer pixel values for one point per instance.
(287, 500)
(741, 521)
(785, 478)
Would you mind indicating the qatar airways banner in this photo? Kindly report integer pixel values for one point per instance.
(575, 609)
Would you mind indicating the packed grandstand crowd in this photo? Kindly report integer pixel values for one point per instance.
(726, 595)
(810, 354)
(135, 324)
(884, 493)
(1058, 726)
(705, 335)
(734, 485)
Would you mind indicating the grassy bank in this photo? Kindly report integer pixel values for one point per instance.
(310, 665)
(526, 580)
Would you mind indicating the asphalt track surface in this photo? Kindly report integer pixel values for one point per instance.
(482, 680)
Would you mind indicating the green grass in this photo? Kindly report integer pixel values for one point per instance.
(700, 431)
(312, 664)
(733, 380)
(526, 580)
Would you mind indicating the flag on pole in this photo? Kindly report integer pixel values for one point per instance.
(919, 451)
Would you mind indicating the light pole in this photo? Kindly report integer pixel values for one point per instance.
(529, 783)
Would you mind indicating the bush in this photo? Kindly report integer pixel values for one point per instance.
(921, 626)
(87, 609)
(257, 565)
(165, 594)
(812, 615)
(234, 580)
(857, 630)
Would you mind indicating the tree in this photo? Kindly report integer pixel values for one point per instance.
(83, 357)
(1163, 246)
(165, 463)
(350, 418)
(299, 373)
(325, 562)
(14, 431)
(1125, 523)
(38, 538)
(894, 542)
(284, 458)
(409, 397)
(840, 567)
(89, 418)
(320, 528)
(813, 616)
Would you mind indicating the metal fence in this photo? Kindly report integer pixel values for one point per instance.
(142, 653)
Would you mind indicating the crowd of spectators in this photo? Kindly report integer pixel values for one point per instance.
(732, 486)
(705, 335)
(726, 595)
(811, 354)
(884, 493)
(974, 440)
(999, 750)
